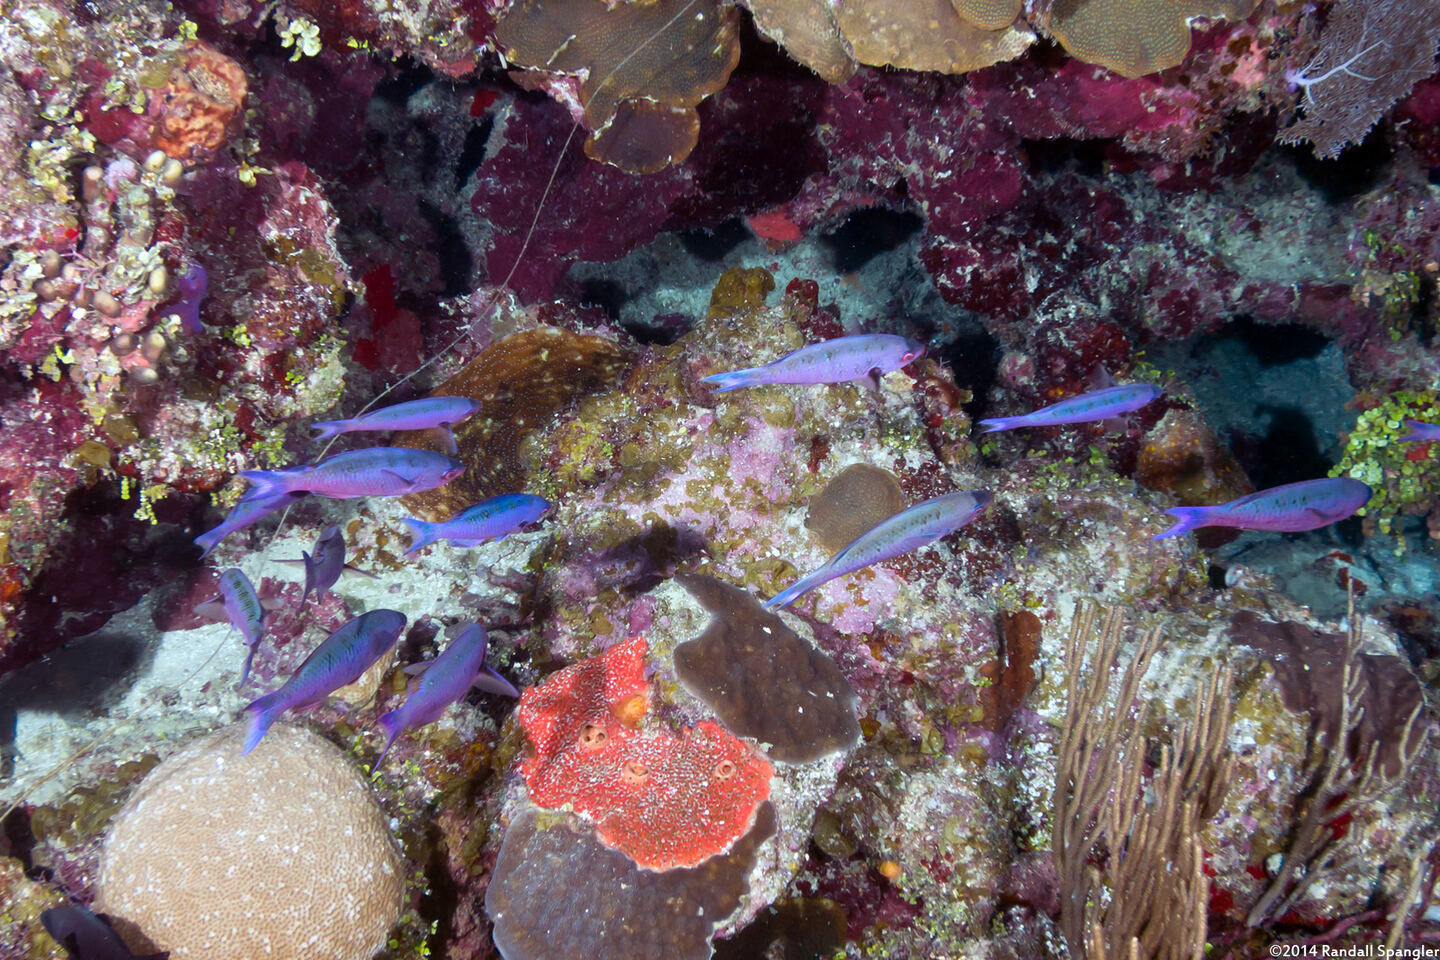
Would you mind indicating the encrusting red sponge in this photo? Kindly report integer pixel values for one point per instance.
(663, 800)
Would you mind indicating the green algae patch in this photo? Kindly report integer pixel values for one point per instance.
(1404, 477)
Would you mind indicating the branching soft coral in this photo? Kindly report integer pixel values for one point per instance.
(1372, 53)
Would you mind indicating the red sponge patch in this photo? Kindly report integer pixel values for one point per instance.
(663, 800)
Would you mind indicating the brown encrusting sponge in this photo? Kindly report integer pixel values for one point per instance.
(763, 679)
(673, 53)
(283, 853)
(556, 891)
(523, 380)
(1135, 37)
(858, 499)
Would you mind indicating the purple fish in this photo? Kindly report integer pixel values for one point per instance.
(373, 472)
(907, 530)
(1420, 430)
(192, 284)
(340, 659)
(244, 514)
(86, 936)
(240, 603)
(861, 357)
(445, 680)
(1306, 505)
(429, 413)
(492, 519)
(324, 566)
(1104, 404)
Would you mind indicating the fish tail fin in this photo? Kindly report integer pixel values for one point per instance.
(1188, 518)
(735, 379)
(995, 424)
(789, 595)
(263, 712)
(392, 724)
(265, 483)
(423, 532)
(327, 428)
(245, 670)
(209, 540)
(1416, 433)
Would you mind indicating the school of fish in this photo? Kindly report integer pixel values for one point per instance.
(388, 471)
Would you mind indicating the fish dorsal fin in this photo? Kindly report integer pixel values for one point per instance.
(1099, 378)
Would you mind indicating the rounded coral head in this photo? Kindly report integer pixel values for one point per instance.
(283, 854)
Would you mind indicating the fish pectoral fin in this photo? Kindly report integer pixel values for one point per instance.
(872, 379)
(415, 669)
(363, 573)
(447, 436)
(400, 476)
(1115, 425)
(215, 609)
(272, 603)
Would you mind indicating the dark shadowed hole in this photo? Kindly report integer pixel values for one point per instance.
(1287, 453)
(472, 153)
(1276, 344)
(608, 295)
(1357, 170)
(1434, 176)
(1086, 157)
(456, 264)
(714, 244)
(404, 84)
(866, 234)
(973, 357)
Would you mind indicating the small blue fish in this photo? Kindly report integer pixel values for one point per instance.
(861, 357)
(373, 472)
(324, 566)
(340, 659)
(430, 413)
(87, 937)
(492, 519)
(1104, 404)
(445, 680)
(244, 514)
(1420, 430)
(192, 283)
(242, 606)
(907, 530)
(1307, 505)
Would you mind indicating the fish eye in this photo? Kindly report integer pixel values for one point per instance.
(908, 357)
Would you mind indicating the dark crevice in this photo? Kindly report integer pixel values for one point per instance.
(472, 153)
(1085, 157)
(457, 267)
(866, 234)
(1274, 344)
(1357, 170)
(713, 244)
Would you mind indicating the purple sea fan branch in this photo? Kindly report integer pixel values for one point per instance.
(1372, 53)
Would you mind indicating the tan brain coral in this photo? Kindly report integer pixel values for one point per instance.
(282, 854)
(1135, 37)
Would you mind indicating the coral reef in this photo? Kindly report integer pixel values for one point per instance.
(223, 219)
(292, 852)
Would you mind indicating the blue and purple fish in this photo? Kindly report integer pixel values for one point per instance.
(86, 936)
(492, 519)
(340, 659)
(241, 605)
(445, 680)
(907, 530)
(1420, 430)
(244, 514)
(1307, 505)
(861, 357)
(373, 472)
(430, 413)
(1108, 403)
(192, 283)
(325, 564)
